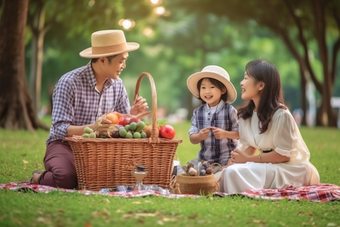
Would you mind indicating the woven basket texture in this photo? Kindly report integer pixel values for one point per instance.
(196, 185)
(106, 163)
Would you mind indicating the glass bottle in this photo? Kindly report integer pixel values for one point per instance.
(139, 173)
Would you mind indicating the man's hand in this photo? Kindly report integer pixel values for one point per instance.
(139, 106)
(102, 125)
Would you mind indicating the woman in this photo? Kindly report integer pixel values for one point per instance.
(267, 126)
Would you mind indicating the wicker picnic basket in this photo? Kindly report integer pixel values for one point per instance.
(183, 184)
(106, 163)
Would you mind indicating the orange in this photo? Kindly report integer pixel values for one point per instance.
(118, 114)
(112, 117)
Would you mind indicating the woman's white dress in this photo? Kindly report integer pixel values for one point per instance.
(283, 136)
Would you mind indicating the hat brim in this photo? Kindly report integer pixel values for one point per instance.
(194, 78)
(87, 53)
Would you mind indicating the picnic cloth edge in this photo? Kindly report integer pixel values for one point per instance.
(322, 192)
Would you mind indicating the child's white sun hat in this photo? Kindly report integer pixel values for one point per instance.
(216, 72)
(107, 43)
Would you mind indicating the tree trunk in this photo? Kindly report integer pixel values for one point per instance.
(38, 31)
(16, 111)
(326, 115)
(303, 83)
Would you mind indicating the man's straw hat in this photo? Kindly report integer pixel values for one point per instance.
(107, 43)
(216, 72)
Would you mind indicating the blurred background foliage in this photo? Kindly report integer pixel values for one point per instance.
(175, 42)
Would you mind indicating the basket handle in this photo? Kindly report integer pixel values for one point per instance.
(217, 164)
(154, 131)
(174, 186)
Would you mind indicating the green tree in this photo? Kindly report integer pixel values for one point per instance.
(300, 25)
(77, 17)
(183, 43)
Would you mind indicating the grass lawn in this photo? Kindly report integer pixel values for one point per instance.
(22, 152)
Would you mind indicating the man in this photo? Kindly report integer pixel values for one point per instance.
(80, 97)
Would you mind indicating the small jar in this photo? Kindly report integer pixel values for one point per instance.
(139, 173)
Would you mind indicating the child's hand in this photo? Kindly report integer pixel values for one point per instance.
(204, 133)
(218, 133)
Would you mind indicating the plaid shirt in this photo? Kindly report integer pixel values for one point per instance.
(76, 101)
(225, 117)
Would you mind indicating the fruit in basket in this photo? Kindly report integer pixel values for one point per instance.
(133, 126)
(92, 135)
(128, 135)
(136, 135)
(167, 131)
(140, 126)
(88, 129)
(142, 135)
(201, 169)
(135, 119)
(203, 172)
(115, 134)
(89, 133)
(122, 132)
(209, 170)
(121, 120)
(147, 130)
(112, 117)
(126, 121)
(118, 115)
(192, 171)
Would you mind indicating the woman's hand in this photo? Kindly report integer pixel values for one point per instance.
(139, 106)
(237, 156)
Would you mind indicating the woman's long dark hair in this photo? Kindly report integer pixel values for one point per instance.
(272, 94)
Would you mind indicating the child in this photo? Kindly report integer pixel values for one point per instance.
(214, 124)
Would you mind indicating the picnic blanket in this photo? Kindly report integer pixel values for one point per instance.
(316, 193)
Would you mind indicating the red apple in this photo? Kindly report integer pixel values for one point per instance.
(126, 121)
(167, 131)
(121, 120)
(135, 119)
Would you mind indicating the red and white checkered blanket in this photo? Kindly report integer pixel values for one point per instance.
(316, 193)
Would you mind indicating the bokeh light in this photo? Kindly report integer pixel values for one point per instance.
(148, 32)
(91, 3)
(159, 10)
(126, 23)
(156, 2)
